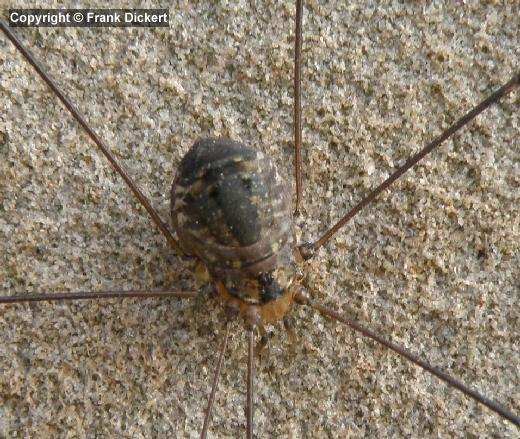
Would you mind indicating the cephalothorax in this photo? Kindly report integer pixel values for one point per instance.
(230, 208)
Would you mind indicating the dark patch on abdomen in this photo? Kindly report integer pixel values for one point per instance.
(224, 196)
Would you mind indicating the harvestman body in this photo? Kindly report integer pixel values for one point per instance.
(231, 210)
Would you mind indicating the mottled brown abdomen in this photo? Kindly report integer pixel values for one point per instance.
(231, 209)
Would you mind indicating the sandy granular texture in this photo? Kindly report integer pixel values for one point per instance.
(433, 265)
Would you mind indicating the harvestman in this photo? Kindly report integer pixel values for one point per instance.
(306, 250)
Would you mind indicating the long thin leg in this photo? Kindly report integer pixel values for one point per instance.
(82, 295)
(250, 378)
(211, 399)
(298, 105)
(308, 250)
(81, 120)
(302, 299)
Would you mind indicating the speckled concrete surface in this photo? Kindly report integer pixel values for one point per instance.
(434, 265)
